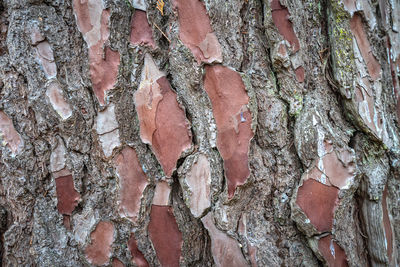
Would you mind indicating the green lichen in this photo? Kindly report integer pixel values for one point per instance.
(341, 45)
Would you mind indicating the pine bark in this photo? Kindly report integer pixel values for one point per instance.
(199, 133)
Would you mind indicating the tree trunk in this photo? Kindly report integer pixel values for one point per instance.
(199, 133)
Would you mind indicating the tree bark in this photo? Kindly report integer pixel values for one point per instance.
(199, 133)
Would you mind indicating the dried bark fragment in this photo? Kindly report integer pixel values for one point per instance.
(132, 182)
(57, 101)
(67, 196)
(373, 66)
(199, 181)
(137, 256)
(225, 250)
(318, 201)
(333, 254)
(195, 31)
(163, 124)
(92, 22)
(165, 235)
(228, 96)
(9, 135)
(280, 16)
(141, 32)
(99, 251)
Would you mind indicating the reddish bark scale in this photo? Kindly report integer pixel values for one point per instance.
(165, 235)
(228, 96)
(195, 31)
(373, 66)
(103, 62)
(103, 71)
(141, 32)
(172, 135)
(117, 263)
(137, 256)
(81, 10)
(163, 123)
(333, 254)
(300, 74)
(387, 226)
(132, 182)
(10, 135)
(318, 201)
(67, 196)
(99, 251)
(280, 16)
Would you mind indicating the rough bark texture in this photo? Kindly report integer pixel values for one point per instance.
(199, 132)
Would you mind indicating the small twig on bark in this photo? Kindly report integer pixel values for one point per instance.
(158, 28)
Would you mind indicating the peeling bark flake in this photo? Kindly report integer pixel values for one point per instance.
(225, 250)
(228, 96)
(165, 235)
(67, 196)
(196, 32)
(93, 22)
(137, 256)
(318, 201)
(333, 254)
(163, 123)
(132, 181)
(9, 135)
(141, 32)
(99, 251)
(280, 16)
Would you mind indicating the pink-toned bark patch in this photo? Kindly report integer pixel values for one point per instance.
(333, 254)
(280, 16)
(350, 5)
(225, 250)
(165, 235)
(103, 70)
(161, 194)
(9, 135)
(199, 181)
(44, 54)
(117, 263)
(373, 66)
(141, 32)
(300, 74)
(387, 225)
(318, 201)
(338, 171)
(57, 101)
(163, 123)
(137, 256)
(99, 251)
(132, 181)
(229, 99)
(366, 107)
(196, 32)
(93, 22)
(67, 196)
